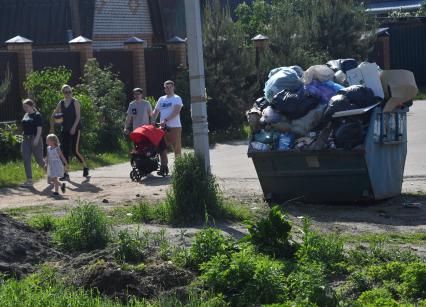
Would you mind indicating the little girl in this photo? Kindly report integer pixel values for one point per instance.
(55, 162)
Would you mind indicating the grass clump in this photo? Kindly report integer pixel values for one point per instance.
(245, 278)
(44, 222)
(195, 194)
(147, 213)
(84, 228)
(130, 248)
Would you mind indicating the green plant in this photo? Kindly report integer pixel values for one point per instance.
(130, 247)
(208, 243)
(307, 284)
(413, 285)
(85, 227)
(322, 249)
(10, 142)
(272, 236)
(195, 194)
(376, 297)
(245, 278)
(45, 222)
(146, 213)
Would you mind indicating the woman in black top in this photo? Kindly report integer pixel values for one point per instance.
(32, 142)
(69, 110)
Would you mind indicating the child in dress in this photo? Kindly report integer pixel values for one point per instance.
(55, 163)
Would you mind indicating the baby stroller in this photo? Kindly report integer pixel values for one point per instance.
(148, 143)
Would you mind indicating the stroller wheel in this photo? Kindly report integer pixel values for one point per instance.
(134, 175)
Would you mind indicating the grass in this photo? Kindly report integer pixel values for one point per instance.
(24, 213)
(421, 95)
(387, 237)
(13, 173)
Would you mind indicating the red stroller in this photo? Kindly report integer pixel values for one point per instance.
(148, 143)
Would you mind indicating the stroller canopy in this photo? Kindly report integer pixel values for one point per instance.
(150, 132)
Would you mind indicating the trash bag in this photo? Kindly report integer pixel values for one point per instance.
(253, 117)
(338, 103)
(298, 70)
(322, 73)
(285, 141)
(342, 64)
(261, 103)
(322, 90)
(340, 77)
(283, 78)
(266, 137)
(366, 74)
(269, 116)
(294, 104)
(359, 95)
(348, 135)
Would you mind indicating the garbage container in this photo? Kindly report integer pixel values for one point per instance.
(373, 172)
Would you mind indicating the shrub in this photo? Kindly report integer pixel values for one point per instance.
(323, 249)
(85, 227)
(10, 143)
(45, 222)
(307, 284)
(209, 243)
(271, 235)
(245, 278)
(376, 297)
(146, 213)
(130, 247)
(413, 285)
(195, 194)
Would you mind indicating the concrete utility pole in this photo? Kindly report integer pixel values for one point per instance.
(197, 81)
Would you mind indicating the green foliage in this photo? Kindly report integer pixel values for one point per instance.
(106, 92)
(183, 90)
(45, 222)
(44, 87)
(254, 19)
(271, 235)
(307, 284)
(413, 285)
(229, 68)
(245, 278)
(146, 213)
(85, 227)
(5, 84)
(208, 243)
(90, 119)
(327, 251)
(376, 297)
(10, 143)
(195, 194)
(130, 247)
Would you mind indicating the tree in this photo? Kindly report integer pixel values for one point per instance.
(229, 68)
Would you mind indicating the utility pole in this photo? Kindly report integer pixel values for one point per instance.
(197, 80)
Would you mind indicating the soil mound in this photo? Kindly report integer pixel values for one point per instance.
(22, 247)
(152, 281)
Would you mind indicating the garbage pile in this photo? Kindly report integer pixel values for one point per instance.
(325, 107)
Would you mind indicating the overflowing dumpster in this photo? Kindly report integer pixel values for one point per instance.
(349, 145)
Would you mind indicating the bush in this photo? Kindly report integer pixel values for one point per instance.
(85, 227)
(413, 285)
(322, 249)
(45, 222)
(130, 248)
(376, 297)
(245, 278)
(271, 235)
(307, 284)
(209, 243)
(195, 194)
(10, 143)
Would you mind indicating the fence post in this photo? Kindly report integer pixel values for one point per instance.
(23, 47)
(83, 46)
(177, 45)
(384, 40)
(137, 47)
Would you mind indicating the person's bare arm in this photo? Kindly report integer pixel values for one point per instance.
(127, 122)
(77, 116)
(175, 112)
(61, 155)
(37, 137)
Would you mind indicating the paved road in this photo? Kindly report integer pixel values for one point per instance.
(235, 173)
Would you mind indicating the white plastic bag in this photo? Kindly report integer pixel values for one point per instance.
(366, 74)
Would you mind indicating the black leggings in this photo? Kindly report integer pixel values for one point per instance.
(71, 143)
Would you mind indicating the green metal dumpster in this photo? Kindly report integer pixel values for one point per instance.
(372, 172)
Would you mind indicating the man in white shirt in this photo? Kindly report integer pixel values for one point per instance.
(169, 107)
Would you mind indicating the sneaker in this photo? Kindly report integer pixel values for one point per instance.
(85, 172)
(55, 194)
(63, 187)
(27, 184)
(66, 177)
(164, 171)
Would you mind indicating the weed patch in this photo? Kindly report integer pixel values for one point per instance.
(44, 222)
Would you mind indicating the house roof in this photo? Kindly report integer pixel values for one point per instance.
(384, 7)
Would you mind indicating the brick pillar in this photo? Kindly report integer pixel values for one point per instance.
(177, 45)
(137, 47)
(84, 47)
(23, 47)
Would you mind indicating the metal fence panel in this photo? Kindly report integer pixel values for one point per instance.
(10, 108)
